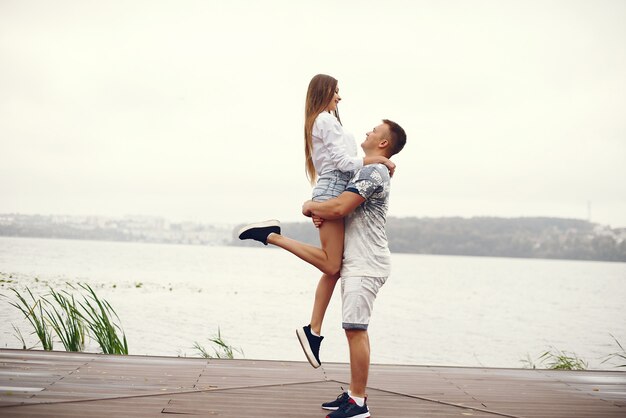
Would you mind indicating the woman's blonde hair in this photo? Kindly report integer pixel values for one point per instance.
(318, 96)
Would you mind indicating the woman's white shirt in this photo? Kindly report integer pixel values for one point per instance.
(333, 149)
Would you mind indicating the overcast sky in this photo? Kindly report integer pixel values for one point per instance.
(193, 110)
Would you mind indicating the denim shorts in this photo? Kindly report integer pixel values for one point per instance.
(331, 184)
(357, 300)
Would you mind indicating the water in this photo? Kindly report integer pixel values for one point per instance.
(437, 310)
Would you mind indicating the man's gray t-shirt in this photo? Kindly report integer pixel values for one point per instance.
(366, 250)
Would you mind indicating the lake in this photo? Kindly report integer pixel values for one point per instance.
(433, 310)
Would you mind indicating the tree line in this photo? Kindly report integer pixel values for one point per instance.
(536, 237)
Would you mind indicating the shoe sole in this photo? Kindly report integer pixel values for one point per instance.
(364, 415)
(264, 224)
(333, 408)
(304, 342)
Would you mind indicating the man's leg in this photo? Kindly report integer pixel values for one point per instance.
(358, 295)
(359, 344)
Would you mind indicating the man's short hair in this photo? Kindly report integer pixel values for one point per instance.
(398, 136)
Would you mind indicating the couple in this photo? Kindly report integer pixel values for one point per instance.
(349, 205)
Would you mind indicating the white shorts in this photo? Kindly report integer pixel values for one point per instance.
(357, 300)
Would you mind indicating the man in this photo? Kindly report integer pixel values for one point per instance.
(366, 258)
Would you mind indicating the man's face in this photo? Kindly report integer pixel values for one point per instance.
(374, 137)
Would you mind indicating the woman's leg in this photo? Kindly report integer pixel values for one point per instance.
(328, 258)
(323, 294)
(326, 285)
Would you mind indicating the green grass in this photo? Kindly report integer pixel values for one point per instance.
(221, 349)
(19, 336)
(618, 355)
(562, 360)
(528, 362)
(555, 359)
(102, 322)
(71, 319)
(35, 314)
(66, 320)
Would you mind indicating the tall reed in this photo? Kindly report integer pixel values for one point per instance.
(100, 318)
(19, 336)
(619, 355)
(221, 349)
(35, 315)
(66, 321)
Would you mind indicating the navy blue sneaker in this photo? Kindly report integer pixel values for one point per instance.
(260, 230)
(334, 405)
(350, 410)
(310, 344)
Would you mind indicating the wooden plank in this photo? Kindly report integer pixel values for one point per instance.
(84, 384)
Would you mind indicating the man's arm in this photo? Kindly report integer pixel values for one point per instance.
(335, 208)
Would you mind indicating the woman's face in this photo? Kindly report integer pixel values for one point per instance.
(332, 106)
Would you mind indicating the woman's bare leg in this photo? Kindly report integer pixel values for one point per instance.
(328, 258)
(332, 240)
(323, 294)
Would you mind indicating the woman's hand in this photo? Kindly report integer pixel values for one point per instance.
(379, 159)
(390, 166)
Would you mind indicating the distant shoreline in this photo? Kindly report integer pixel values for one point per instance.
(541, 238)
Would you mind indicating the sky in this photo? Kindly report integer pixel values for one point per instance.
(194, 110)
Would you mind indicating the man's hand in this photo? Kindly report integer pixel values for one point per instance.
(335, 208)
(317, 221)
(306, 208)
(307, 211)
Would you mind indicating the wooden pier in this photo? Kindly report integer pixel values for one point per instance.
(62, 384)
